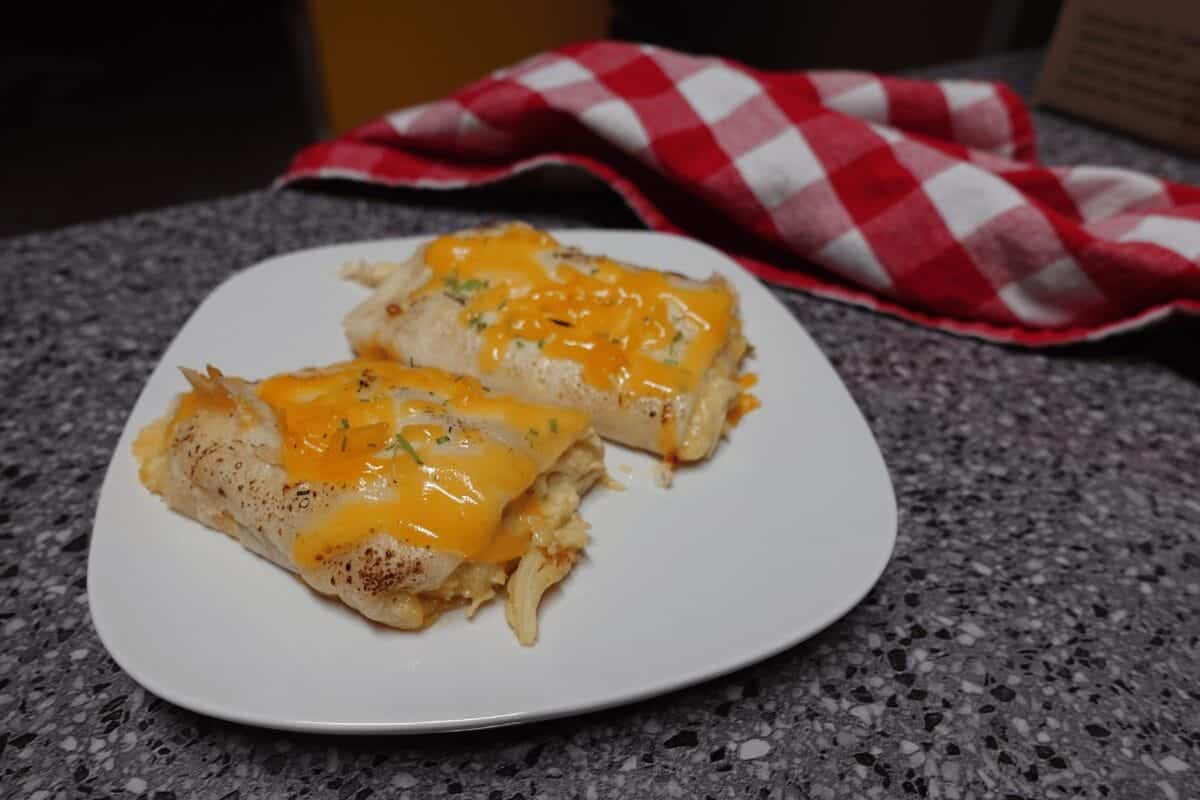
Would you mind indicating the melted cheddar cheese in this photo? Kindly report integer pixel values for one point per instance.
(640, 332)
(428, 458)
(746, 402)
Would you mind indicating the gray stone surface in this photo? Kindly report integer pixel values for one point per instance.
(1036, 634)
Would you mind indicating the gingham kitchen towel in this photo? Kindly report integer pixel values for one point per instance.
(920, 199)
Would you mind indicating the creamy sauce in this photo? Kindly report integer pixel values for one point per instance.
(634, 331)
(428, 458)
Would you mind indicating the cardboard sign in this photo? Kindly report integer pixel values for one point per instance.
(1131, 64)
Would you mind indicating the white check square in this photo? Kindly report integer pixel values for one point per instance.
(559, 73)
(618, 123)
(866, 102)
(960, 94)
(403, 119)
(851, 255)
(716, 92)
(779, 167)
(968, 197)
(1049, 296)
(1180, 235)
(1101, 192)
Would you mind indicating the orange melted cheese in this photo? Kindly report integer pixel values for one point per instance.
(745, 402)
(420, 453)
(194, 401)
(639, 332)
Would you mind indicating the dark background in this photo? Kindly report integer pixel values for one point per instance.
(107, 109)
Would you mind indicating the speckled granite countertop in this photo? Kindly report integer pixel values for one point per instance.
(1036, 634)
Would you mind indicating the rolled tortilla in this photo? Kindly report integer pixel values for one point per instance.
(651, 356)
(402, 492)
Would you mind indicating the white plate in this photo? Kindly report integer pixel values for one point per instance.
(778, 536)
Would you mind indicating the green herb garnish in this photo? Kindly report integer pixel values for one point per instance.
(461, 290)
(533, 431)
(553, 425)
(477, 322)
(345, 424)
(442, 439)
(400, 443)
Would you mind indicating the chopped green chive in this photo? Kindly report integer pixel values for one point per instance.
(442, 439)
(676, 339)
(671, 359)
(345, 424)
(461, 290)
(553, 425)
(399, 443)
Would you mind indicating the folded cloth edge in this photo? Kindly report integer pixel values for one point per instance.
(383, 159)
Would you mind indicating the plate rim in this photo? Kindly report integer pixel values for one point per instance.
(679, 681)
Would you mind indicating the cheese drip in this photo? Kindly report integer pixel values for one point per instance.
(746, 402)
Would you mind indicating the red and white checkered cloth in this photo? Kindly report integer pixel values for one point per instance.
(920, 199)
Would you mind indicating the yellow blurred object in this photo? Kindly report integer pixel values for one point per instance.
(378, 55)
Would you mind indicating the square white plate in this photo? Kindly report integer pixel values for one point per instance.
(775, 538)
